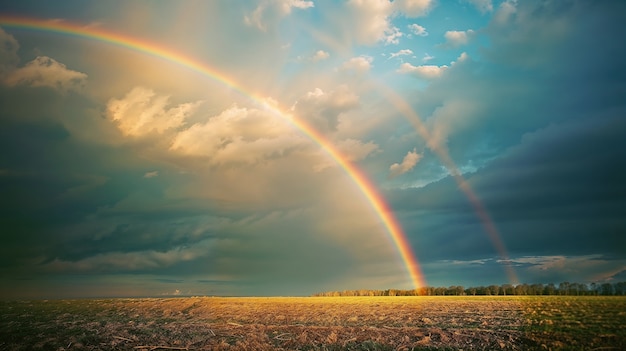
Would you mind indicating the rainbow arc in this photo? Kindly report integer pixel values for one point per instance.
(369, 191)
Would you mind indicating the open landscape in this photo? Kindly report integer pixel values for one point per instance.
(317, 323)
(313, 175)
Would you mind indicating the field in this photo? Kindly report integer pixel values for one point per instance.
(325, 323)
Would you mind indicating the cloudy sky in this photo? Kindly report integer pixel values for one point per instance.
(495, 131)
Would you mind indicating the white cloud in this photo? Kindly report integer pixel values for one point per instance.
(350, 149)
(321, 109)
(418, 30)
(269, 11)
(505, 11)
(462, 57)
(360, 64)
(392, 36)
(413, 8)
(423, 71)
(408, 162)
(403, 52)
(141, 112)
(44, 71)
(483, 6)
(356, 150)
(456, 38)
(151, 174)
(237, 135)
(320, 55)
(427, 57)
(370, 20)
(300, 4)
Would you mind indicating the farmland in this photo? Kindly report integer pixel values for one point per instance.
(317, 323)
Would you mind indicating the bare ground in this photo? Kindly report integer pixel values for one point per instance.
(345, 323)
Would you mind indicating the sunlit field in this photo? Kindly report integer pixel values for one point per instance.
(317, 323)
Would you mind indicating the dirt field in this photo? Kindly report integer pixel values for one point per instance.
(345, 323)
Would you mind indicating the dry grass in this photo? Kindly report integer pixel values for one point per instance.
(343, 323)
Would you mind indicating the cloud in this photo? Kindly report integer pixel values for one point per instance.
(356, 150)
(44, 71)
(142, 111)
(505, 11)
(484, 6)
(418, 30)
(131, 261)
(393, 35)
(8, 53)
(452, 117)
(557, 193)
(455, 38)
(545, 138)
(427, 57)
(541, 269)
(352, 150)
(237, 135)
(462, 57)
(322, 109)
(360, 64)
(402, 52)
(578, 268)
(151, 174)
(270, 11)
(371, 20)
(424, 71)
(408, 162)
(320, 55)
(413, 8)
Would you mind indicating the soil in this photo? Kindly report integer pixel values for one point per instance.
(324, 323)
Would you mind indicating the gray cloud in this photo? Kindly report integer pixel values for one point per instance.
(243, 204)
(545, 135)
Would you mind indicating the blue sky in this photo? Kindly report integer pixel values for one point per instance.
(126, 175)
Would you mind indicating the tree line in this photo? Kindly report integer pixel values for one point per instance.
(565, 288)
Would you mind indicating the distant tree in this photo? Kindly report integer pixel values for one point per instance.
(593, 287)
(522, 289)
(507, 289)
(607, 289)
(578, 289)
(536, 289)
(620, 288)
(564, 288)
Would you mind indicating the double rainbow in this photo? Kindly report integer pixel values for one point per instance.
(373, 197)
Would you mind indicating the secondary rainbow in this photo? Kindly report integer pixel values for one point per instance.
(483, 215)
(370, 192)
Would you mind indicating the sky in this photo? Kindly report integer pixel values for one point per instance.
(493, 133)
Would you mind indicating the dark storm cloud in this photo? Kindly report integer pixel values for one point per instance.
(548, 122)
(62, 194)
(80, 208)
(560, 191)
(549, 62)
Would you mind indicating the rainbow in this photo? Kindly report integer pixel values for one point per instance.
(481, 212)
(373, 197)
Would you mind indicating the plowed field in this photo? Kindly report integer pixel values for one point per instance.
(342, 323)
